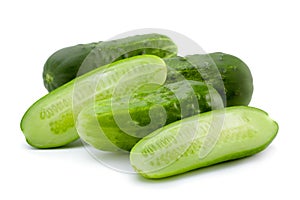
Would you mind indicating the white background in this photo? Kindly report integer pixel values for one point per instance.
(265, 34)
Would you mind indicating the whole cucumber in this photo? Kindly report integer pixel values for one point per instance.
(226, 73)
(62, 66)
(118, 125)
(185, 145)
(49, 122)
(67, 63)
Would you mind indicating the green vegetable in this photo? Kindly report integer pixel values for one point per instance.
(67, 63)
(113, 125)
(49, 122)
(194, 143)
(226, 73)
(62, 66)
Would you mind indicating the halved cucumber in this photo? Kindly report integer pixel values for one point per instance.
(118, 125)
(183, 146)
(49, 122)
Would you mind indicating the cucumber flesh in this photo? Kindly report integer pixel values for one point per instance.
(49, 122)
(177, 147)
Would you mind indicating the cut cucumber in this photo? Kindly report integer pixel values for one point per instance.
(49, 122)
(118, 125)
(178, 147)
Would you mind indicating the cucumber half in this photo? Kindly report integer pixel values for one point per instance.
(49, 122)
(119, 125)
(179, 147)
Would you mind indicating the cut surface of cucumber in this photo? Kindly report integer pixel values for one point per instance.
(177, 147)
(49, 122)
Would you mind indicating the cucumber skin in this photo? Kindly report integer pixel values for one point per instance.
(63, 65)
(58, 129)
(235, 74)
(189, 160)
(113, 138)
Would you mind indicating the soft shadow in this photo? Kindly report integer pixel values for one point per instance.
(118, 161)
(74, 144)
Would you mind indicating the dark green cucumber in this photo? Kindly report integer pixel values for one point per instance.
(65, 64)
(62, 66)
(178, 147)
(226, 73)
(49, 122)
(117, 125)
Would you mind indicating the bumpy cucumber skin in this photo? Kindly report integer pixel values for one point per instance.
(105, 134)
(257, 131)
(64, 65)
(237, 84)
(50, 121)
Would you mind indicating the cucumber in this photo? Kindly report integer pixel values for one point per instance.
(49, 122)
(67, 63)
(178, 147)
(118, 125)
(62, 66)
(232, 77)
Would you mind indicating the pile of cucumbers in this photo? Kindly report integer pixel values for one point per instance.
(136, 94)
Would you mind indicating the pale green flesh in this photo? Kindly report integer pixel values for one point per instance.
(178, 147)
(50, 121)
